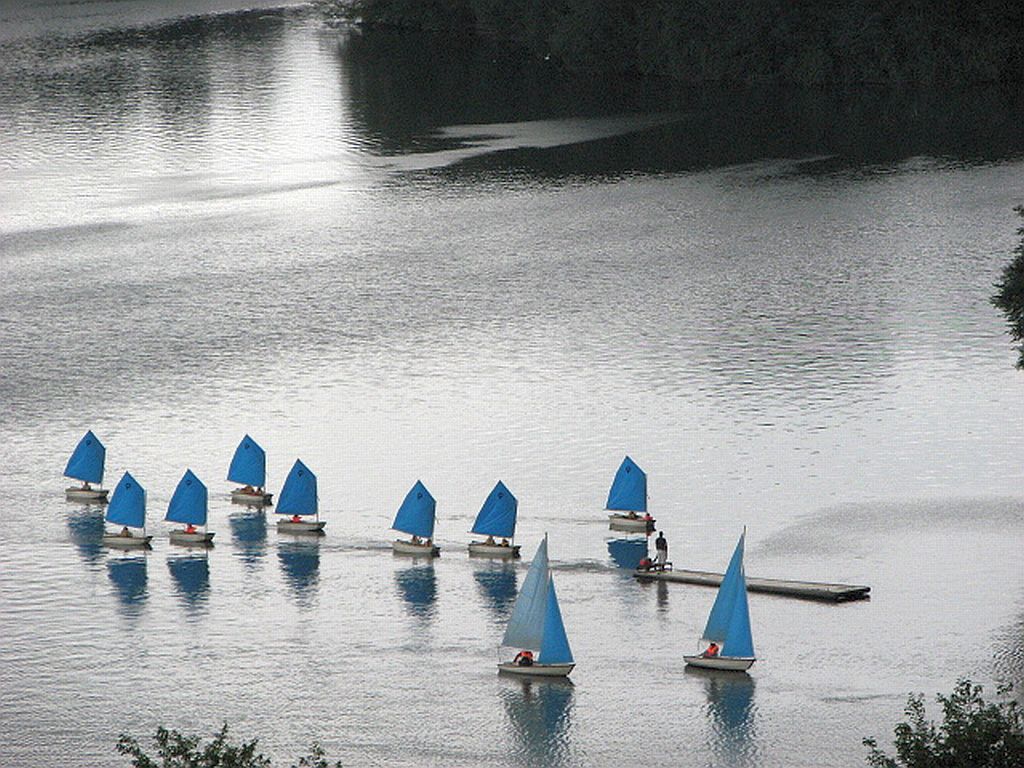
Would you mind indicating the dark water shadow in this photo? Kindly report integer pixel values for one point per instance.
(249, 534)
(626, 553)
(540, 715)
(128, 575)
(417, 586)
(498, 585)
(85, 529)
(398, 105)
(191, 577)
(300, 565)
(731, 715)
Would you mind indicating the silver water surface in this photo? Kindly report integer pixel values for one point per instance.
(228, 224)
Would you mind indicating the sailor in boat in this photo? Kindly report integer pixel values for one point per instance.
(711, 651)
(504, 542)
(86, 486)
(524, 659)
(125, 532)
(247, 489)
(490, 541)
(296, 519)
(631, 514)
(661, 546)
(190, 528)
(415, 540)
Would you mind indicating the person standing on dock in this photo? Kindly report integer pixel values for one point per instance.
(661, 546)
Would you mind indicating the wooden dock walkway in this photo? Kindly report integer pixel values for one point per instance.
(808, 590)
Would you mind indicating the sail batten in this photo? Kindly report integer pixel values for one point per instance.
(298, 495)
(128, 503)
(86, 461)
(190, 501)
(497, 516)
(417, 514)
(249, 464)
(526, 626)
(629, 488)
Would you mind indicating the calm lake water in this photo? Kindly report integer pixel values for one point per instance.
(399, 259)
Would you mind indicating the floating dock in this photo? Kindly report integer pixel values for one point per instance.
(808, 590)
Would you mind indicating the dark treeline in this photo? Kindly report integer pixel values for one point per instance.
(700, 41)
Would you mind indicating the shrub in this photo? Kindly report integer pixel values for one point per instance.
(974, 733)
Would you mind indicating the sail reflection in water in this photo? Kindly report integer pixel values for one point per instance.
(417, 587)
(540, 713)
(129, 579)
(626, 553)
(498, 586)
(249, 534)
(85, 528)
(300, 564)
(191, 576)
(732, 737)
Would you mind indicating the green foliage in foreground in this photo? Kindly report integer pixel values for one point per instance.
(175, 750)
(974, 734)
(1010, 293)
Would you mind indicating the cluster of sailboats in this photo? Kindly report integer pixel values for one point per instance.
(536, 626)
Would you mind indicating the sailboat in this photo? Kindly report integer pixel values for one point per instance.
(86, 464)
(128, 509)
(416, 517)
(628, 494)
(189, 507)
(249, 467)
(536, 625)
(298, 499)
(727, 638)
(497, 517)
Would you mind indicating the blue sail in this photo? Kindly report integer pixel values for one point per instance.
(554, 647)
(526, 627)
(629, 488)
(249, 464)
(86, 462)
(298, 495)
(128, 504)
(497, 517)
(189, 502)
(416, 515)
(729, 621)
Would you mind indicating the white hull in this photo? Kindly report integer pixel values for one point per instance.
(420, 550)
(258, 499)
(126, 542)
(80, 494)
(536, 670)
(289, 526)
(728, 663)
(480, 549)
(199, 538)
(626, 523)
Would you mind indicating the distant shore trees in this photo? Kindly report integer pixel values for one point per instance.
(1009, 295)
(932, 42)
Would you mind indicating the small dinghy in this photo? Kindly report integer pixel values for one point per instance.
(249, 467)
(536, 625)
(627, 499)
(416, 517)
(128, 509)
(497, 518)
(86, 464)
(727, 640)
(189, 506)
(298, 499)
